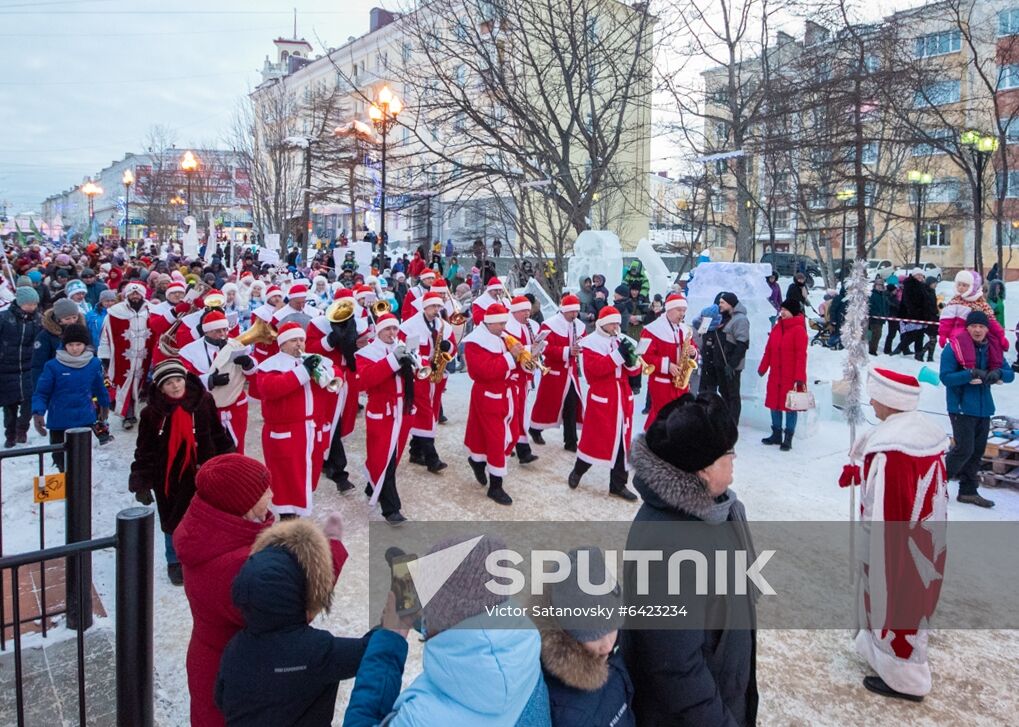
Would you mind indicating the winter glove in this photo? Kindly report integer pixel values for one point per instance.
(106, 364)
(992, 377)
(311, 362)
(144, 496)
(245, 362)
(627, 352)
(218, 379)
(335, 338)
(40, 423)
(978, 374)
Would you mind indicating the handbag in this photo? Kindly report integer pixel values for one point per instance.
(799, 400)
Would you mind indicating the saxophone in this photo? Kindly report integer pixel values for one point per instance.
(440, 359)
(687, 364)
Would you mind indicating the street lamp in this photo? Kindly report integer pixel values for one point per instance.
(921, 182)
(127, 180)
(981, 148)
(189, 165)
(844, 196)
(91, 190)
(383, 115)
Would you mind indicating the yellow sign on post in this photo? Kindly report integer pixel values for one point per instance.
(49, 487)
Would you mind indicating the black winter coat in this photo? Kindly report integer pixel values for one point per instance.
(18, 331)
(917, 301)
(686, 676)
(148, 471)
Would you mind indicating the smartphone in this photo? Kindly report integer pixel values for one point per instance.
(407, 602)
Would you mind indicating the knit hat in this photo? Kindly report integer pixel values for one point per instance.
(106, 295)
(569, 304)
(496, 313)
(622, 289)
(463, 594)
(232, 483)
(607, 316)
(343, 293)
(35, 276)
(175, 287)
(439, 285)
(75, 333)
(494, 284)
(297, 291)
(729, 298)
(134, 288)
(65, 308)
(290, 331)
(896, 391)
(568, 597)
(977, 318)
(74, 287)
(427, 273)
(386, 320)
(793, 306)
(214, 320)
(88, 273)
(168, 368)
(272, 290)
(431, 298)
(23, 281)
(26, 295)
(520, 303)
(692, 432)
(675, 300)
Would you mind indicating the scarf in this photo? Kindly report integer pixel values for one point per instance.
(965, 351)
(182, 435)
(74, 362)
(973, 304)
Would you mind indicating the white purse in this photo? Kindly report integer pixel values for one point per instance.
(799, 400)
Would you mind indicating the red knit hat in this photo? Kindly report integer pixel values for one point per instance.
(272, 290)
(519, 303)
(608, 315)
(569, 304)
(386, 320)
(431, 298)
(439, 285)
(297, 290)
(290, 331)
(496, 313)
(494, 284)
(214, 320)
(232, 483)
(426, 273)
(894, 389)
(343, 293)
(675, 300)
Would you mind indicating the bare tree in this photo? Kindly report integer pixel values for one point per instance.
(157, 185)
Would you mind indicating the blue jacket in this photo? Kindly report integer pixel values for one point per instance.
(582, 690)
(17, 336)
(47, 342)
(278, 670)
(973, 400)
(94, 319)
(64, 394)
(472, 676)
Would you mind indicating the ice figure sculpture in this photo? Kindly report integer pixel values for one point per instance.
(658, 275)
(189, 243)
(548, 306)
(595, 251)
(362, 256)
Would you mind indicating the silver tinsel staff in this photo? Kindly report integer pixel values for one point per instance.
(854, 370)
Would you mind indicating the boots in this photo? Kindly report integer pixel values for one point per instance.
(479, 471)
(775, 438)
(623, 491)
(496, 492)
(536, 435)
(524, 453)
(416, 455)
(787, 441)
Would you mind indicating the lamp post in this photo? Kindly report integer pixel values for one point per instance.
(91, 190)
(383, 113)
(189, 165)
(127, 180)
(921, 182)
(981, 148)
(844, 196)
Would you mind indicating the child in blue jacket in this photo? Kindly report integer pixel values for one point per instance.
(66, 387)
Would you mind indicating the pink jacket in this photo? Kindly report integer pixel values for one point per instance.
(953, 320)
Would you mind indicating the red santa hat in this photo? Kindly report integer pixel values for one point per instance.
(386, 320)
(519, 303)
(675, 300)
(569, 304)
(427, 273)
(134, 288)
(893, 389)
(214, 321)
(176, 287)
(361, 291)
(214, 299)
(297, 290)
(290, 331)
(273, 290)
(439, 285)
(496, 313)
(246, 274)
(607, 316)
(431, 298)
(343, 293)
(494, 284)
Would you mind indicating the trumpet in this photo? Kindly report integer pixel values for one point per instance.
(524, 358)
(645, 368)
(322, 374)
(340, 311)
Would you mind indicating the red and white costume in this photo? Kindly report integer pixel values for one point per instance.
(197, 357)
(661, 345)
(427, 395)
(608, 411)
(489, 434)
(521, 378)
(289, 433)
(563, 373)
(188, 329)
(412, 301)
(298, 294)
(161, 316)
(905, 490)
(124, 340)
(267, 312)
(387, 427)
(494, 293)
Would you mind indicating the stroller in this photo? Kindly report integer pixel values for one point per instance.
(826, 335)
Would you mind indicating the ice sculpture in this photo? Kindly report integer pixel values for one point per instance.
(595, 251)
(658, 275)
(189, 243)
(362, 255)
(548, 306)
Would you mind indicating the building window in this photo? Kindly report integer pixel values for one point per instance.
(780, 219)
(406, 53)
(935, 234)
(1008, 77)
(872, 64)
(933, 145)
(937, 44)
(1008, 22)
(938, 93)
(869, 153)
(1013, 184)
(721, 132)
(943, 191)
(718, 203)
(1011, 128)
(721, 167)
(818, 199)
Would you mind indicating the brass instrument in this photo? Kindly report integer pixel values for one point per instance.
(687, 364)
(340, 310)
(260, 332)
(645, 368)
(168, 341)
(440, 359)
(457, 319)
(525, 359)
(323, 373)
(379, 308)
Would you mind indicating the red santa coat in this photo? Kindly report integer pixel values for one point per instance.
(386, 425)
(661, 345)
(785, 360)
(489, 434)
(264, 350)
(409, 308)
(609, 407)
(547, 412)
(289, 432)
(521, 378)
(427, 395)
(198, 357)
(901, 567)
(480, 305)
(161, 317)
(124, 340)
(344, 413)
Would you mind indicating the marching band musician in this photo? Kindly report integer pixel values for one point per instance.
(662, 343)
(162, 315)
(198, 357)
(429, 330)
(124, 349)
(365, 296)
(411, 302)
(289, 435)
(494, 293)
(558, 399)
(188, 330)
(266, 313)
(522, 328)
(609, 362)
(339, 342)
(489, 436)
(297, 309)
(386, 372)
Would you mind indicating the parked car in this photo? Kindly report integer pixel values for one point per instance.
(882, 268)
(930, 270)
(785, 264)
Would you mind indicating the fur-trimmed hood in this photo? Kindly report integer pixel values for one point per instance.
(667, 487)
(49, 322)
(565, 658)
(288, 578)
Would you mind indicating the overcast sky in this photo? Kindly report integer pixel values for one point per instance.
(83, 80)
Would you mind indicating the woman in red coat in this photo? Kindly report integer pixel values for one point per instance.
(785, 362)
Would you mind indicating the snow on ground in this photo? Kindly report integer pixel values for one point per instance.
(805, 677)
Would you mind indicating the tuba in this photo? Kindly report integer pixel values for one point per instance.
(379, 308)
(340, 310)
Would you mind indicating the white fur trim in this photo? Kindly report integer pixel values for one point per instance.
(899, 396)
(608, 320)
(496, 317)
(290, 335)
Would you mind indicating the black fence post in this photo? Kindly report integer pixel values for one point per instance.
(135, 528)
(78, 506)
